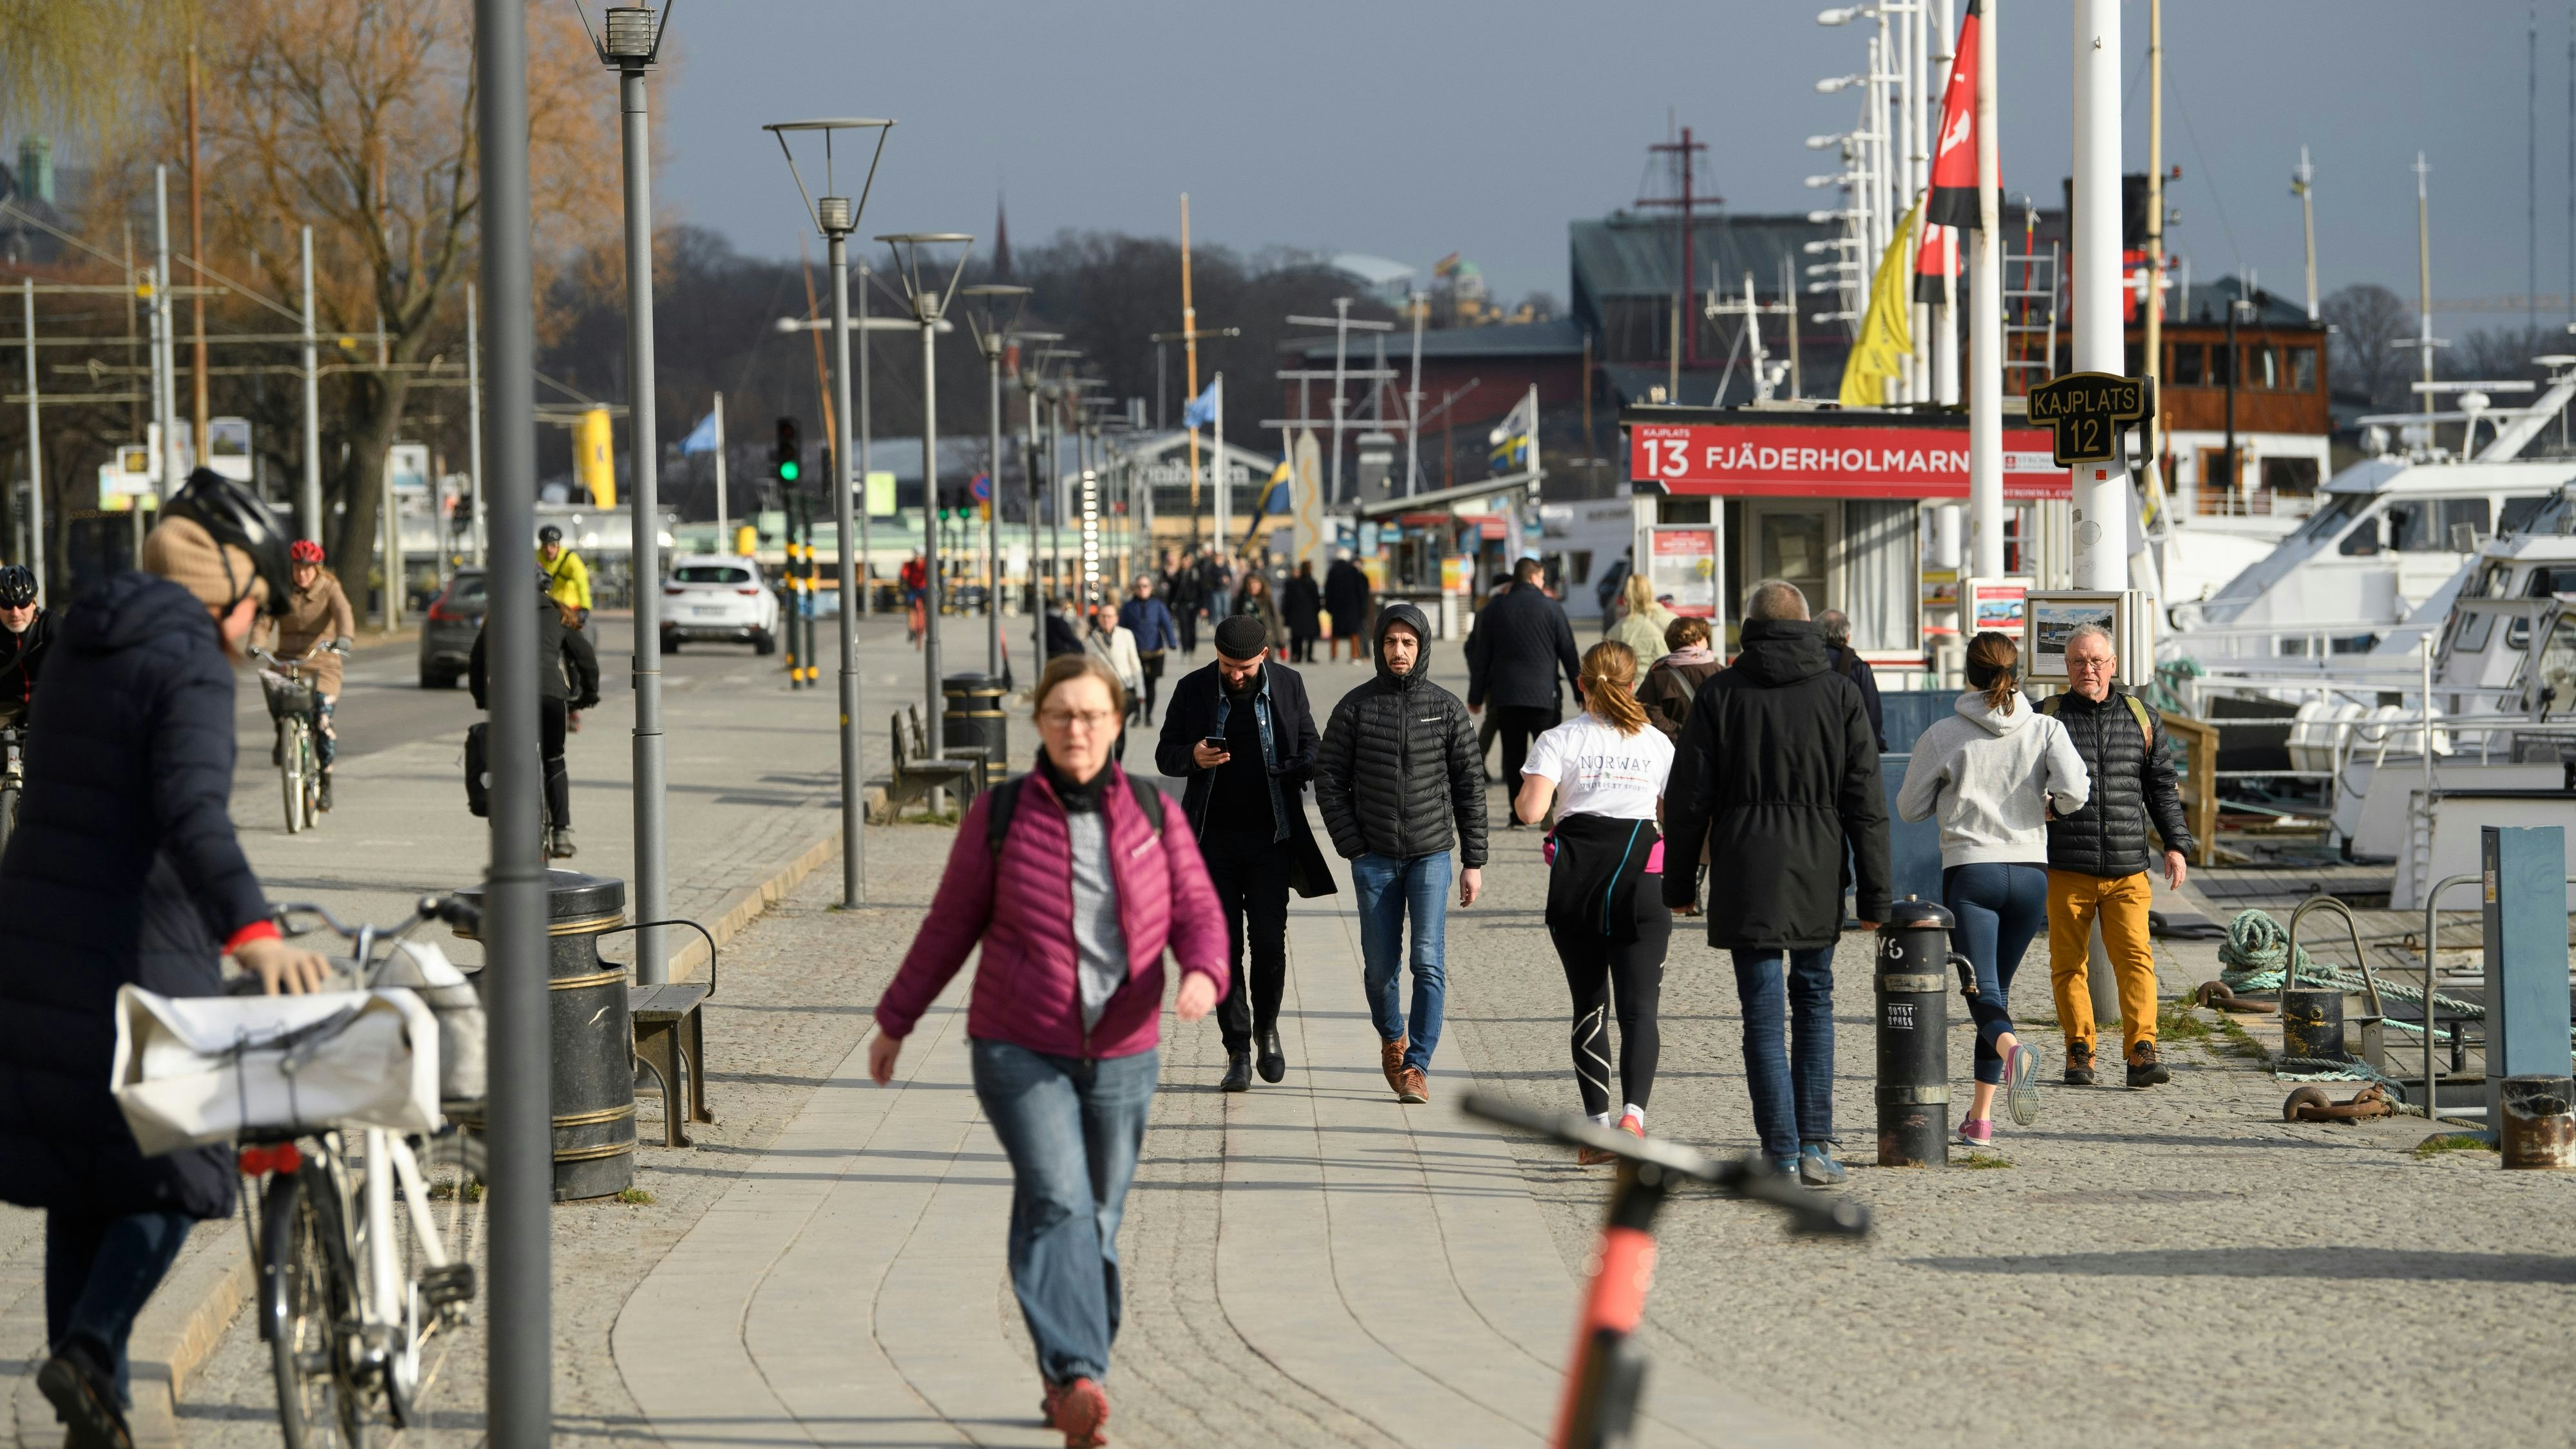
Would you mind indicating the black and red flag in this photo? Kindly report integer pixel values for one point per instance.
(1954, 153)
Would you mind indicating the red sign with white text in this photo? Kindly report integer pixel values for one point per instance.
(1763, 461)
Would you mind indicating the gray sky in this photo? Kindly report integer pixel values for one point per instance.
(1425, 126)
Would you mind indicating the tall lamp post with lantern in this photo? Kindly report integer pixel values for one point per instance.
(836, 217)
(993, 311)
(928, 296)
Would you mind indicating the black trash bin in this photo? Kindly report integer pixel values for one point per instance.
(593, 1043)
(972, 716)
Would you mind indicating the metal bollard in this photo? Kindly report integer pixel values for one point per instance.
(1913, 993)
(2538, 1125)
(2312, 1023)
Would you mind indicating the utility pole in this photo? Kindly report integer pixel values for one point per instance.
(2305, 186)
(2101, 490)
(35, 443)
(724, 534)
(2152, 437)
(1986, 327)
(2424, 340)
(165, 358)
(477, 525)
(867, 460)
(1685, 162)
(631, 42)
(1190, 354)
(197, 254)
(1945, 326)
(519, 1352)
(312, 498)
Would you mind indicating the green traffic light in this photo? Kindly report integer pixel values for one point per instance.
(788, 470)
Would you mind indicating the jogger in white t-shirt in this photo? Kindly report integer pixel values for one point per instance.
(1605, 770)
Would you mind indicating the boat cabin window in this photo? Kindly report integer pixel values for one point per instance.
(2456, 511)
(2336, 512)
(2302, 368)
(2290, 476)
(2490, 583)
(2363, 540)
(2519, 511)
(2262, 367)
(2186, 364)
(2474, 629)
(2556, 674)
(2546, 581)
(2422, 525)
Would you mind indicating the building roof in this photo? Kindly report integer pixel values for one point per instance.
(2207, 302)
(1630, 254)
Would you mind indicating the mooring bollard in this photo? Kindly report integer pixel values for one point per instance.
(1913, 992)
(2312, 1023)
(2538, 1125)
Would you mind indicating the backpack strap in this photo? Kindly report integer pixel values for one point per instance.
(2049, 705)
(1006, 803)
(2146, 726)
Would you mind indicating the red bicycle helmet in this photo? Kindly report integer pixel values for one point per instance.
(304, 551)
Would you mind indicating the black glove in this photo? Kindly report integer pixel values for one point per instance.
(589, 702)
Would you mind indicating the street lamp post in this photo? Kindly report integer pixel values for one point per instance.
(994, 311)
(928, 301)
(836, 218)
(1034, 389)
(630, 40)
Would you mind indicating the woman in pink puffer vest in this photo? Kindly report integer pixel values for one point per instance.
(1074, 912)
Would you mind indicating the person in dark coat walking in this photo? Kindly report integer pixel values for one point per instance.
(1181, 594)
(1847, 662)
(1346, 598)
(567, 683)
(1777, 775)
(124, 869)
(1151, 622)
(1399, 784)
(1240, 731)
(1522, 642)
(1063, 633)
(1301, 610)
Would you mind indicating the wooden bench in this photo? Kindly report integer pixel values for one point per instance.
(671, 1041)
(918, 770)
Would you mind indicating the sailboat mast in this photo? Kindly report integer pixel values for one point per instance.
(2424, 279)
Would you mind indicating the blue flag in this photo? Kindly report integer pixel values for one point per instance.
(701, 439)
(1200, 411)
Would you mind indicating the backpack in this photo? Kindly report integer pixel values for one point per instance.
(478, 769)
(2137, 710)
(1006, 803)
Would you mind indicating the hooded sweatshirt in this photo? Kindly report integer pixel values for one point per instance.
(1399, 773)
(1993, 777)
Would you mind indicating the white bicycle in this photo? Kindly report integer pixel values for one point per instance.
(357, 1275)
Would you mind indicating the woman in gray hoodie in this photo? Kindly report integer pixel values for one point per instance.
(1994, 771)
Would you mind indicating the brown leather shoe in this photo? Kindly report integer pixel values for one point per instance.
(1390, 1060)
(1412, 1088)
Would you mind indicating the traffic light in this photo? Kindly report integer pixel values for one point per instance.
(788, 452)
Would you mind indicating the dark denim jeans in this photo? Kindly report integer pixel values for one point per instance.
(1072, 1129)
(1999, 908)
(1792, 1081)
(99, 1272)
(1388, 889)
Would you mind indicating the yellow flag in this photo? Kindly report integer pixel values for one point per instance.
(1887, 329)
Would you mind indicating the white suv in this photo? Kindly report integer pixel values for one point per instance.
(714, 597)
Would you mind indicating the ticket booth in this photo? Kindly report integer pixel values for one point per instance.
(1829, 500)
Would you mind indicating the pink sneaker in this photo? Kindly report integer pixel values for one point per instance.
(1977, 1132)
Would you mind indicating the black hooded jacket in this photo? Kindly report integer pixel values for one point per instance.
(1399, 773)
(1777, 770)
(2133, 784)
(124, 868)
(567, 667)
(1521, 642)
(22, 658)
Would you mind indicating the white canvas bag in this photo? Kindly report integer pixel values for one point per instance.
(201, 1069)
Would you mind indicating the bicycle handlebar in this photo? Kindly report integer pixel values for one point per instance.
(431, 908)
(1748, 1178)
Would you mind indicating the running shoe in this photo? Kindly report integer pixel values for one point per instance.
(1817, 1168)
(1080, 1411)
(1594, 1156)
(2021, 1076)
(1977, 1132)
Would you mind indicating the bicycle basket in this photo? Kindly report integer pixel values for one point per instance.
(287, 696)
(424, 970)
(189, 1071)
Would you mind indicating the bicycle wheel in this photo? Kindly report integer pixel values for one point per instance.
(311, 794)
(8, 814)
(291, 773)
(309, 1306)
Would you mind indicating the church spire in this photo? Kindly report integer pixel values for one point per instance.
(1001, 239)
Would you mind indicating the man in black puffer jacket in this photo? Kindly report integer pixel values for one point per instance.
(2098, 858)
(124, 869)
(1777, 771)
(1520, 644)
(1400, 782)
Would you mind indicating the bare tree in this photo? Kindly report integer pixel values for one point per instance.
(2368, 320)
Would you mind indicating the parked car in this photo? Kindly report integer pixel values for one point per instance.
(715, 597)
(447, 631)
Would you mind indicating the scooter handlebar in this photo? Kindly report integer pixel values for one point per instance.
(1749, 1178)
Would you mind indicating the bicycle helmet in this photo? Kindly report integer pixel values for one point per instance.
(304, 551)
(232, 515)
(17, 586)
(549, 534)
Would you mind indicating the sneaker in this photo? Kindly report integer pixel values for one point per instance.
(2021, 1085)
(1390, 1060)
(83, 1394)
(2079, 1065)
(1817, 1168)
(1081, 1408)
(1977, 1132)
(1238, 1073)
(1594, 1156)
(1411, 1087)
(2145, 1069)
(1785, 1166)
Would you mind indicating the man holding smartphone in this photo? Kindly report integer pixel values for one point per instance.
(1241, 733)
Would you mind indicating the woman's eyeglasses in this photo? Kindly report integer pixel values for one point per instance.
(1065, 719)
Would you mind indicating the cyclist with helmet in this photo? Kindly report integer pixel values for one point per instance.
(125, 869)
(566, 581)
(26, 632)
(317, 626)
(567, 681)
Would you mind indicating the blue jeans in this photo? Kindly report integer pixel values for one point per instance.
(1388, 888)
(1792, 1081)
(99, 1272)
(1999, 908)
(1072, 1129)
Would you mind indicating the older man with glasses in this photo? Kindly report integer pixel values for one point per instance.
(2099, 857)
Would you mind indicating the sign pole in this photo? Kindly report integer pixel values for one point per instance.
(1986, 329)
(2101, 517)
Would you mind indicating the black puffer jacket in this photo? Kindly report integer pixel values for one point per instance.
(1399, 773)
(567, 667)
(1520, 644)
(1777, 770)
(2133, 783)
(124, 868)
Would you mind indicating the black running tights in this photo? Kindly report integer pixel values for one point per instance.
(1626, 980)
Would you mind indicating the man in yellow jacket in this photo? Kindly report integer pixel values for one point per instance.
(567, 577)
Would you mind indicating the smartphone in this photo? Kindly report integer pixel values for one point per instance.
(1214, 742)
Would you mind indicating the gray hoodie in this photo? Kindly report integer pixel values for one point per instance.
(1992, 777)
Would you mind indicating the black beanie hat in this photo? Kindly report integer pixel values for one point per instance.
(1240, 636)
